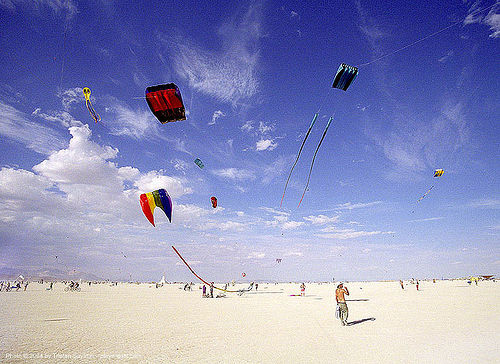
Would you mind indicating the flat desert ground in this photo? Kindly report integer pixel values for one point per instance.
(444, 322)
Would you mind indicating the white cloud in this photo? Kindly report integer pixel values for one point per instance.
(72, 96)
(332, 232)
(83, 162)
(235, 174)
(321, 219)
(180, 165)
(79, 194)
(62, 117)
(66, 7)
(427, 219)
(473, 15)
(265, 144)
(247, 126)
(16, 126)
(230, 74)
(289, 225)
(137, 123)
(446, 57)
(217, 114)
(265, 128)
(256, 255)
(361, 205)
(293, 254)
(493, 20)
(275, 169)
(154, 180)
(274, 211)
(485, 203)
(280, 219)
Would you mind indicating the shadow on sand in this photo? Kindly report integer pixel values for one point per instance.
(55, 320)
(361, 299)
(360, 321)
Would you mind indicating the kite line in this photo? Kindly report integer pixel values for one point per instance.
(426, 37)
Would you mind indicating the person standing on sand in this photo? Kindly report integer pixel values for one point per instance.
(212, 290)
(204, 290)
(339, 296)
(401, 283)
(303, 290)
(417, 284)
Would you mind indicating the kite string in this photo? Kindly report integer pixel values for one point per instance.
(424, 38)
(64, 53)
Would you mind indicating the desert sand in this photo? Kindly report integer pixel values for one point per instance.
(445, 322)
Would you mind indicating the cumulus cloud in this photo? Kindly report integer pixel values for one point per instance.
(154, 180)
(265, 144)
(80, 194)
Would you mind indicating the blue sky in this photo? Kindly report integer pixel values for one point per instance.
(252, 76)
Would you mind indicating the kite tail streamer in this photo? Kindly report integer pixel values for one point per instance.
(298, 155)
(425, 194)
(421, 198)
(92, 112)
(314, 157)
(197, 276)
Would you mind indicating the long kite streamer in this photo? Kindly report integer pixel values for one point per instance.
(298, 155)
(93, 113)
(314, 158)
(201, 279)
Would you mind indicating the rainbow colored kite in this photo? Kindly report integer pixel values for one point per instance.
(158, 198)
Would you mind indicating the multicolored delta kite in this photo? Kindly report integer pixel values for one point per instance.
(438, 172)
(158, 198)
(165, 102)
